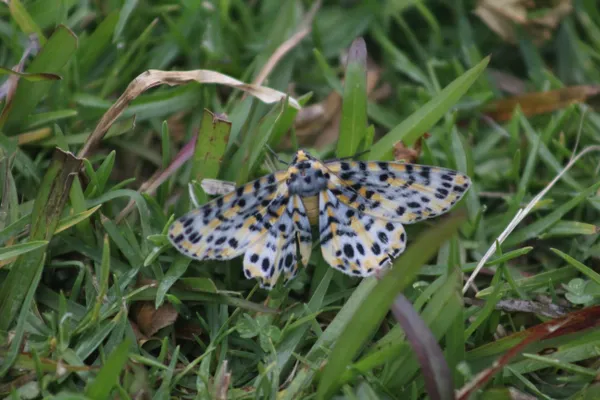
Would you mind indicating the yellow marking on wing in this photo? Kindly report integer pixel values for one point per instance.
(230, 212)
(176, 228)
(398, 182)
(186, 245)
(360, 230)
(397, 167)
(248, 222)
(253, 270)
(226, 252)
(459, 179)
(410, 216)
(421, 188)
(436, 207)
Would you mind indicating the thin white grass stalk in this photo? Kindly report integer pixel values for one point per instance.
(193, 196)
(584, 111)
(522, 213)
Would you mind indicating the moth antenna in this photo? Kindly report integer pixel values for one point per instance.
(275, 155)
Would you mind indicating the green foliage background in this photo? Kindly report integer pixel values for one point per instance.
(80, 278)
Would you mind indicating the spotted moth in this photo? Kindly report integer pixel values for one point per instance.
(359, 206)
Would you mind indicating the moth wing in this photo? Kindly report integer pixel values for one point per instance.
(400, 192)
(356, 243)
(225, 227)
(274, 253)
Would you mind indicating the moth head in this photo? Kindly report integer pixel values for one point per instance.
(302, 155)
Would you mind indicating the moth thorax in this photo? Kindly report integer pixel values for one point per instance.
(311, 206)
(306, 182)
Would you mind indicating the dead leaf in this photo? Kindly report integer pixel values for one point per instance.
(318, 125)
(139, 336)
(304, 29)
(153, 77)
(526, 306)
(539, 19)
(222, 382)
(187, 330)
(150, 320)
(217, 187)
(506, 82)
(8, 88)
(574, 322)
(409, 154)
(541, 102)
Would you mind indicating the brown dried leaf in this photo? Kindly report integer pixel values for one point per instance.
(506, 82)
(222, 382)
(539, 21)
(289, 44)
(527, 306)
(409, 154)
(8, 88)
(574, 322)
(152, 78)
(187, 330)
(150, 320)
(139, 336)
(541, 102)
(217, 187)
(318, 124)
(316, 117)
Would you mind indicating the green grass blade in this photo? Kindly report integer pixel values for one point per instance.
(47, 208)
(92, 47)
(587, 271)
(353, 126)
(210, 148)
(25, 21)
(105, 381)
(536, 228)
(52, 58)
(370, 313)
(19, 334)
(177, 269)
(419, 122)
(531, 283)
(6, 253)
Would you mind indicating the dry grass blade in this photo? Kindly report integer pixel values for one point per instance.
(536, 103)
(222, 382)
(8, 88)
(522, 213)
(150, 319)
(525, 306)
(152, 78)
(216, 187)
(285, 47)
(577, 321)
(503, 17)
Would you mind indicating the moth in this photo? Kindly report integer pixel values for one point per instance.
(360, 208)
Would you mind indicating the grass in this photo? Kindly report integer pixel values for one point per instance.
(95, 165)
